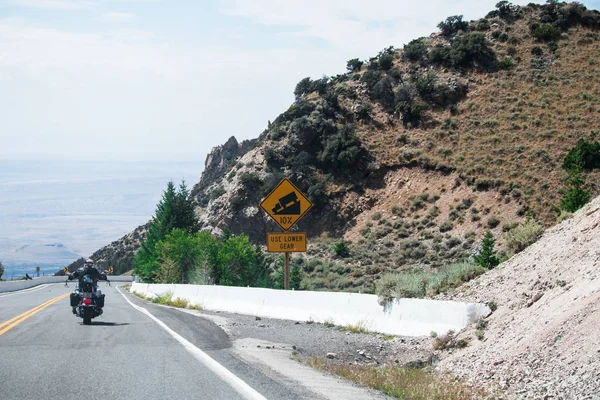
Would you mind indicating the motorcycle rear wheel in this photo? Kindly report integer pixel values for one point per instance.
(87, 316)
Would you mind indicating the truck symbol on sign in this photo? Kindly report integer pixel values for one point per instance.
(287, 205)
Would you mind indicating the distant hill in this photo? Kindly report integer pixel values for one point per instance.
(412, 155)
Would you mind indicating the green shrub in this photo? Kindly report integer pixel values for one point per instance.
(493, 222)
(341, 150)
(446, 226)
(370, 78)
(363, 111)
(384, 93)
(317, 193)
(472, 50)
(508, 11)
(412, 113)
(217, 192)
(452, 25)
(341, 249)
(440, 54)
(585, 155)
(519, 238)
(468, 50)
(250, 181)
(425, 84)
(386, 61)
(236, 202)
(303, 88)
(354, 65)
(482, 25)
(537, 51)
(506, 63)
(319, 85)
(415, 50)
(545, 32)
(575, 194)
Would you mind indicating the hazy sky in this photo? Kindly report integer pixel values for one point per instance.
(151, 79)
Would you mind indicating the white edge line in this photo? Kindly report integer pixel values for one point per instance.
(22, 291)
(236, 383)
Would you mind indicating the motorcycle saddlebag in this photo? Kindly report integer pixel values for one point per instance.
(75, 299)
(100, 301)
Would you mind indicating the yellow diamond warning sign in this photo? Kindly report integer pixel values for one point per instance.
(286, 204)
(286, 242)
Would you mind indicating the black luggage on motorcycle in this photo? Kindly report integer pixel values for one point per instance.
(100, 301)
(75, 299)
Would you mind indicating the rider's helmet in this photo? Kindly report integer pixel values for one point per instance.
(88, 263)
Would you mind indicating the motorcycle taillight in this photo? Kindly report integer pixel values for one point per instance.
(87, 302)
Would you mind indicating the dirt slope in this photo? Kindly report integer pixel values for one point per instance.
(548, 346)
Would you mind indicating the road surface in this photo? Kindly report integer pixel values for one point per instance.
(47, 353)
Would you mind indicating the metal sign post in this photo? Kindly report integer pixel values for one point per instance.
(286, 204)
(286, 271)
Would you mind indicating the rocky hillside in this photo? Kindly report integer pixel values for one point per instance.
(543, 341)
(411, 155)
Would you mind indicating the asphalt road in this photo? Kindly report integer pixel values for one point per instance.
(48, 353)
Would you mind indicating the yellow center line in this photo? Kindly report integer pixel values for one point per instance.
(3, 324)
(11, 323)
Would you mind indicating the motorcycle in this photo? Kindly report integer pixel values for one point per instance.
(87, 300)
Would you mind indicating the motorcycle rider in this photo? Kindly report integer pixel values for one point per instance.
(89, 270)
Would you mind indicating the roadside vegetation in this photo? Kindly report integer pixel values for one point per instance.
(166, 299)
(402, 383)
(176, 251)
(1, 270)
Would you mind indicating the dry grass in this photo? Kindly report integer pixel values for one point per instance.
(179, 302)
(359, 327)
(514, 128)
(166, 299)
(402, 383)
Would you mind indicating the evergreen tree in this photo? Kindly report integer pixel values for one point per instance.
(296, 275)
(574, 196)
(174, 210)
(1, 270)
(184, 214)
(487, 255)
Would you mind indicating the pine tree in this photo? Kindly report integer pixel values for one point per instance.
(174, 210)
(574, 196)
(184, 214)
(487, 255)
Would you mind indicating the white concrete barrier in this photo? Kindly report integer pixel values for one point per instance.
(408, 317)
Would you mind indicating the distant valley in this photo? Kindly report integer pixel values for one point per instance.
(53, 212)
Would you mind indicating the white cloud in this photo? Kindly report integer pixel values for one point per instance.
(117, 17)
(353, 25)
(130, 91)
(58, 4)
